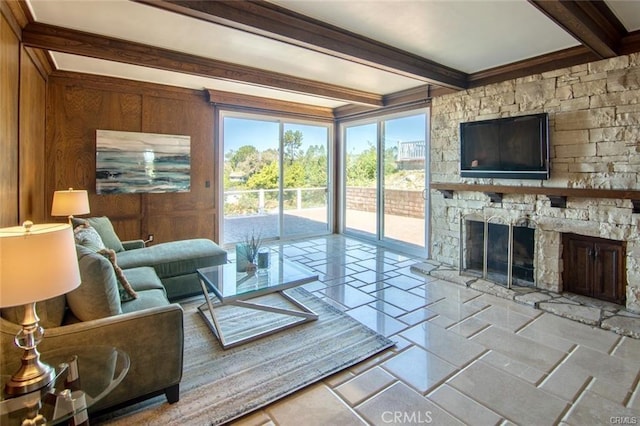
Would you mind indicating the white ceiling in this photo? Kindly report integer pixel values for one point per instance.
(468, 35)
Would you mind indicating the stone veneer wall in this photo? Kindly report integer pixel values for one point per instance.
(594, 113)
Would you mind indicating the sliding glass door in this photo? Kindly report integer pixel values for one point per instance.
(384, 179)
(403, 182)
(274, 176)
(361, 177)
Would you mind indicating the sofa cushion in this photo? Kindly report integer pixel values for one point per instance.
(174, 258)
(143, 278)
(146, 299)
(98, 295)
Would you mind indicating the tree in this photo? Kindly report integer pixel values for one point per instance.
(315, 166)
(265, 178)
(362, 168)
(292, 141)
(243, 154)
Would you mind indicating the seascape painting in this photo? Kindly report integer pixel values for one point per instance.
(131, 162)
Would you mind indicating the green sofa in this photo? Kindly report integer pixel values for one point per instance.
(149, 328)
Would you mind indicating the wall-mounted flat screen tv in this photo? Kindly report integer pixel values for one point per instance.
(511, 148)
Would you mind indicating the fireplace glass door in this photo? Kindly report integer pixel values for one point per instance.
(497, 252)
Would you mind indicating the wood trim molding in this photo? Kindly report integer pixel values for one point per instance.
(102, 82)
(544, 63)
(42, 60)
(630, 43)
(86, 44)
(220, 98)
(266, 19)
(14, 14)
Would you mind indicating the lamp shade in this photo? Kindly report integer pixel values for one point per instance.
(37, 262)
(70, 202)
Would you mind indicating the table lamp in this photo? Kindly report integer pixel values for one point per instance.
(70, 202)
(37, 262)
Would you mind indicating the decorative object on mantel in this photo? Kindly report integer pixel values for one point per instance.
(247, 253)
(37, 262)
(558, 196)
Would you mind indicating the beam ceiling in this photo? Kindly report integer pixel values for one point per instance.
(270, 20)
(65, 40)
(591, 22)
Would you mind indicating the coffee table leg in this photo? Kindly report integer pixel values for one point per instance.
(212, 322)
(305, 314)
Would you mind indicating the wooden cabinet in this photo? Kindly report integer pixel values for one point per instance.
(594, 267)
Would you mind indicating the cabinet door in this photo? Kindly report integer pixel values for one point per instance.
(578, 266)
(608, 283)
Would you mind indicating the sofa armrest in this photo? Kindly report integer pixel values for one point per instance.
(133, 244)
(153, 338)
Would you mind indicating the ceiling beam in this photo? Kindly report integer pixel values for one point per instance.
(269, 20)
(591, 22)
(74, 42)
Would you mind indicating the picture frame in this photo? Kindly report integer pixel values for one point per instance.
(134, 162)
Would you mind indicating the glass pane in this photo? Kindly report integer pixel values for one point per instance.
(404, 158)
(305, 183)
(361, 178)
(251, 178)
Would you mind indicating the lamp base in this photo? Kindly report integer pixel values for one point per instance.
(32, 375)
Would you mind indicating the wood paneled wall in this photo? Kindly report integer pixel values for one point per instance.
(32, 200)
(9, 84)
(22, 127)
(80, 104)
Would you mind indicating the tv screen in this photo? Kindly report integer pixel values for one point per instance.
(513, 147)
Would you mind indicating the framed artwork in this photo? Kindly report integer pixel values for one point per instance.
(132, 162)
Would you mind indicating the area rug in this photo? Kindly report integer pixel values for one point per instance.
(221, 385)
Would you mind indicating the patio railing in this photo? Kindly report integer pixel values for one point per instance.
(260, 201)
(411, 150)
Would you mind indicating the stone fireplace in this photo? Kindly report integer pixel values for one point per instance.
(538, 230)
(506, 254)
(594, 185)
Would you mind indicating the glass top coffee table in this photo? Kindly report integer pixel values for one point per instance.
(265, 307)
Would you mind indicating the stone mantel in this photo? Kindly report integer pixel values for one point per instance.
(557, 196)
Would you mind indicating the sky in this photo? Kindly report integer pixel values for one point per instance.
(264, 134)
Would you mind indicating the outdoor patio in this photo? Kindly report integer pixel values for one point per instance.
(313, 222)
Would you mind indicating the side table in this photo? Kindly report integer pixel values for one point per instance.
(100, 369)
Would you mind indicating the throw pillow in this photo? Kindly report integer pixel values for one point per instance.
(87, 236)
(107, 233)
(124, 287)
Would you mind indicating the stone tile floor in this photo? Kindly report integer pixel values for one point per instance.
(465, 354)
